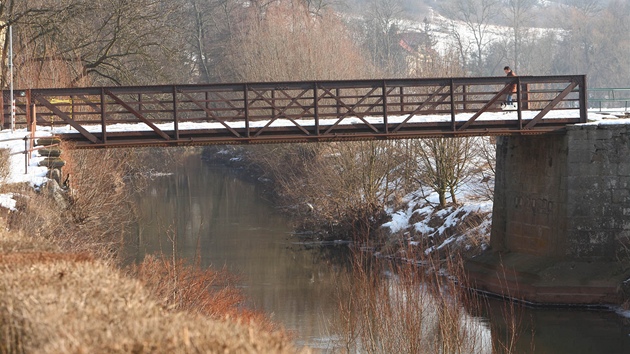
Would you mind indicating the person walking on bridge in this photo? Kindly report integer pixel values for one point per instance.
(512, 90)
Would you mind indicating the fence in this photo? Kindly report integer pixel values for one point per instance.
(29, 147)
(609, 99)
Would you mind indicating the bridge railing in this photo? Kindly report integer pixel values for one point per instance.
(609, 99)
(301, 111)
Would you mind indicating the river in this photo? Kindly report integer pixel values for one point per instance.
(206, 210)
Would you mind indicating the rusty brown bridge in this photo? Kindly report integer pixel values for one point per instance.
(562, 189)
(311, 111)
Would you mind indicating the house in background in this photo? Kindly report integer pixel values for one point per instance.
(419, 52)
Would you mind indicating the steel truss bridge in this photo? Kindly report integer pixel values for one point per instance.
(310, 111)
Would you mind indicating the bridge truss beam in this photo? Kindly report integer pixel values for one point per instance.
(173, 115)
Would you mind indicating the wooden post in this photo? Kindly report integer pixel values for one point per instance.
(32, 127)
(2, 111)
(30, 115)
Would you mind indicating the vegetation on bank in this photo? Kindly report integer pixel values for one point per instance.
(413, 296)
(58, 302)
(350, 190)
(62, 289)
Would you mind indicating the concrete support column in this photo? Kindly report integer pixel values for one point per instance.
(529, 212)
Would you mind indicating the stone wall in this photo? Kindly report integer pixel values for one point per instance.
(564, 197)
(598, 181)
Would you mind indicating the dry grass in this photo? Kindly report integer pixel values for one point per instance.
(89, 217)
(52, 302)
(5, 166)
(15, 242)
(36, 214)
(95, 212)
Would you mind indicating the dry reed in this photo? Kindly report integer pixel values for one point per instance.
(5, 166)
(421, 306)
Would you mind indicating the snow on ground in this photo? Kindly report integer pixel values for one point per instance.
(451, 34)
(20, 172)
(422, 205)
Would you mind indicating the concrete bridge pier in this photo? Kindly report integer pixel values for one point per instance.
(561, 218)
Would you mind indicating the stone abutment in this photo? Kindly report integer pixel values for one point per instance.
(561, 218)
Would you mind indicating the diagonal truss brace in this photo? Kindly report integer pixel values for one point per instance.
(66, 118)
(157, 130)
(280, 114)
(487, 105)
(211, 114)
(351, 109)
(424, 104)
(550, 106)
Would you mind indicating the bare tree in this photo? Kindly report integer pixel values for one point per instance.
(119, 41)
(587, 6)
(382, 26)
(288, 43)
(613, 59)
(518, 15)
(484, 167)
(30, 21)
(593, 43)
(114, 41)
(470, 28)
(443, 164)
(207, 28)
(345, 186)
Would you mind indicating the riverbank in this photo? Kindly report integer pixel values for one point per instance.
(584, 340)
(287, 282)
(62, 290)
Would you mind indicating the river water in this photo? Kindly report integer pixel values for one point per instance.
(207, 211)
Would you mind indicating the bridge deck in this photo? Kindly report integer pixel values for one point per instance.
(99, 117)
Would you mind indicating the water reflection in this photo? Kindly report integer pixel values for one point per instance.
(563, 331)
(204, 211)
